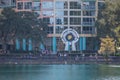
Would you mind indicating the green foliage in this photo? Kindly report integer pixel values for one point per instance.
(108, 22)
(20, 25)
(13, 25)
(117, 35)
(107, 46)
(108, 18)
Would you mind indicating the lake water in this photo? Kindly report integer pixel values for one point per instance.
(59, 72)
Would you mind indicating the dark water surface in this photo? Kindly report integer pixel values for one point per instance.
(59, 72)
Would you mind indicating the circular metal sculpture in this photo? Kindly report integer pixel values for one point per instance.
(69, 37)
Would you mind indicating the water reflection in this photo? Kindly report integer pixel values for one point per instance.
(59, 72)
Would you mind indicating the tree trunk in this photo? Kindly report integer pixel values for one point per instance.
(4, 45)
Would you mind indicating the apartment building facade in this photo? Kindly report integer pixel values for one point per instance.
(60, 15)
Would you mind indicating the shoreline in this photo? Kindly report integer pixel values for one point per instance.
(29, 62)
(52, 59)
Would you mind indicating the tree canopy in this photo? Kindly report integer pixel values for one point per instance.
(108, 21)
(107, 45)
(20, 25)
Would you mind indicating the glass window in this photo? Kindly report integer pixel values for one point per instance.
(13, 2)
(65, 27)
(65, 21)
(101, 5)
(20, 5)
(59, 20)
(36, 6)
(65, 5)
(46, 20)
(75, 13)
(78, 28)
(87, 29)
(47, 5)
(89, 13)
(47, 13)
(37, 13)
(28, 5)
(89, 5)
(88, 21)
(51, 20)
(65, 13)
(75, 5)
(50, 30)
(59, 29)
(59, 13)
(92, 3)
(75, 21)
(59, 5)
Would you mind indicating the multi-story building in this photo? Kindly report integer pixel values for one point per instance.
(7, 3)
(79, 15)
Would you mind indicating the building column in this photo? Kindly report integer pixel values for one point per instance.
(30, 45)
(24, 45)
(54, 45)
(82, 43)
(96, 45)
(67, 46)
(41, 46)
(17, 44)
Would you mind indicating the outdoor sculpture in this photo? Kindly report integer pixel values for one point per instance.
(69, 37)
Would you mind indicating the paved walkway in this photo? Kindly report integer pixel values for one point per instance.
(56, 59)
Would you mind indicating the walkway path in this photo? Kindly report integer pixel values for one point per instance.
(56, 59)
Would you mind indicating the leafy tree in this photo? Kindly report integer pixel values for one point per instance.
(38, 33)
(6, 27)
(106, 19)
(108, 22)
(107, 45)
(19, 25)
(117, 36)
